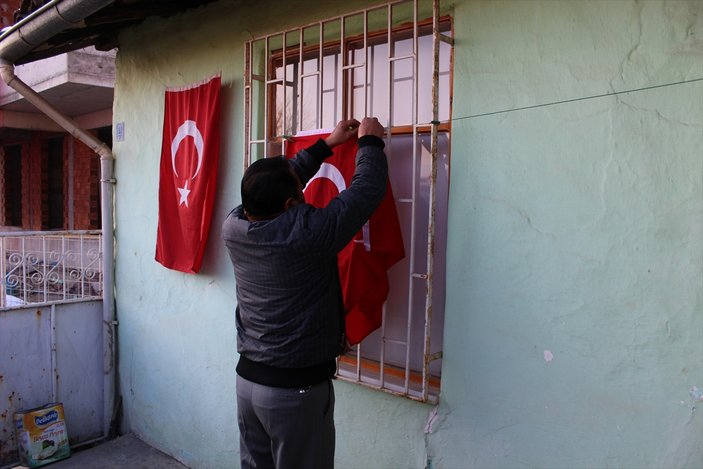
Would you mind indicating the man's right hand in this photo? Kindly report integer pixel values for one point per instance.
(371, 126)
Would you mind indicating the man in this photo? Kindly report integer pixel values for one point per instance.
(290, 312)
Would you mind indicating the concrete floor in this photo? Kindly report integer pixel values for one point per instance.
(125, 452)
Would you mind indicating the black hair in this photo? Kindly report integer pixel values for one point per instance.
(266, 185)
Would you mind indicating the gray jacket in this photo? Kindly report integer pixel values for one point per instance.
(290, 312)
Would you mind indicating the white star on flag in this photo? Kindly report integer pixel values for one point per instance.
(184, 194)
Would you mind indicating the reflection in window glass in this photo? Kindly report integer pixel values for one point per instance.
(302, 105)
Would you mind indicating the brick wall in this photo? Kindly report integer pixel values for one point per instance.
(95, 186)
(10, 186)
(86, 187)
(33, 179)
(36, 196)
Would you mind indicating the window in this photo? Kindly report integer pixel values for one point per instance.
(53, 193)
(392, 62)
(13, 185)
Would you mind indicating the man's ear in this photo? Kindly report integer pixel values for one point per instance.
(290, 202)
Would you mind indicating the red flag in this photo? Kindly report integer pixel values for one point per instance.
(364, 262)
(189, 155)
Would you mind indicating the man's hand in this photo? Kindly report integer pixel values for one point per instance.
(344, 130)
(370, 126)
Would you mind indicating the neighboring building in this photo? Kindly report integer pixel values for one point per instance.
(48, 179)
(567, 297)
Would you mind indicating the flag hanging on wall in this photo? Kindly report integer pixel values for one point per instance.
(364, 262)
(189, 155)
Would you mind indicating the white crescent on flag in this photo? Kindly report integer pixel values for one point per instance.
(331, 172)
(188, 128)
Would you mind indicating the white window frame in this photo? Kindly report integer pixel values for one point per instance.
(261, 142)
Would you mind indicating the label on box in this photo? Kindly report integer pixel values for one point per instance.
(41, 435)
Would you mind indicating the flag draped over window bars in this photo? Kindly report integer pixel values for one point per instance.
(188, 173)
(364, 262)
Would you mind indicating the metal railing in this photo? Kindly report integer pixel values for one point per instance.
(43, 267)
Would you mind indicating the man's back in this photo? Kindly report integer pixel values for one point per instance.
(288, 291)
(290, 310)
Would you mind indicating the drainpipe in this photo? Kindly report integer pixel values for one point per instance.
(107, 181)
(52, 18)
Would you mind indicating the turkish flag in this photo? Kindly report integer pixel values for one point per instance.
(364, 262)
(190, 152)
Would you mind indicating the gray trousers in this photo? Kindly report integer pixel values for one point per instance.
(285, 428)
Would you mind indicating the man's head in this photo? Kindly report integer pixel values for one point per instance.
(270, 187)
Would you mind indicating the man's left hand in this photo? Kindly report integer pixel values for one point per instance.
(344, 130)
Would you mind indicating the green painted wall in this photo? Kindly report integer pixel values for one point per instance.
(578, 225)
(574, 320)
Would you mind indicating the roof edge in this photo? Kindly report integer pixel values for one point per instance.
(46, 22)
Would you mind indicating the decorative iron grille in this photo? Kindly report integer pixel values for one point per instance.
(50, 267)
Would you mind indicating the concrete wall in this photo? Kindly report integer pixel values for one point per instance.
(574, 325)
(574, 319)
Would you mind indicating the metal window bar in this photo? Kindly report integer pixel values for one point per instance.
(321, 76)
(414, 199)
(346, 82)
(296, 124)
(365, 97)
(345, 86)
(247, 101)
(267, 101)
(302, 75)
(389, 70)
(261, 79)
(284, 83)
(432, 198)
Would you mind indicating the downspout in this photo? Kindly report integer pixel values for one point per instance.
(50, 19)
(107, 181)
